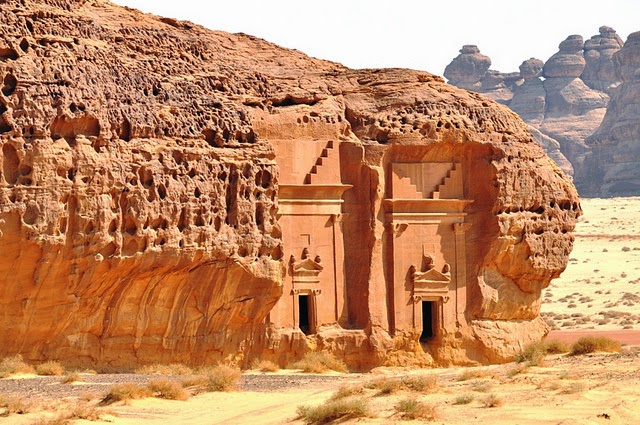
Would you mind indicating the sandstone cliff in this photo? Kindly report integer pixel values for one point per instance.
(141, 211)
(613, 162)
(564, 98)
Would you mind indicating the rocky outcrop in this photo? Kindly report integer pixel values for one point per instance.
(614, 160)
(564, 98)
(599, 72)
(150, 169)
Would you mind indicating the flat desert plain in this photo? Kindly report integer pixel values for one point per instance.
(599, 294)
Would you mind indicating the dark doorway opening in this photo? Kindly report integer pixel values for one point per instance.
(304, 310)
(428, 323)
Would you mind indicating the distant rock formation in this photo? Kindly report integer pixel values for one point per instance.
(174, 194)
(565, 99)
(613, 167)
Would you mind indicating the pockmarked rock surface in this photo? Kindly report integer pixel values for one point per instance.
(565, 99)
(174, 194)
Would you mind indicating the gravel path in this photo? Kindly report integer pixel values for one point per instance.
(50, 388)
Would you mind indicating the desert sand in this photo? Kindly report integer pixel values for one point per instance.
(597, 294)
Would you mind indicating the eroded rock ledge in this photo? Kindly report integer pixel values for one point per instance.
(170, 193)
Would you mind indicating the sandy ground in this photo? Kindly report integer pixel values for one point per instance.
(598, 294)
(600, 289)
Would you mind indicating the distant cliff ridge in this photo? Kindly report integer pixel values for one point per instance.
(564, 101)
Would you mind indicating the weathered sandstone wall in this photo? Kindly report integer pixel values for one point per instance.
(139, 197)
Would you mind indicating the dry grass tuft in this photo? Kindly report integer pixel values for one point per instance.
(385, 386)
(346, 391)
(125, 392)
(464, 399)
(14, 405)
(265, 366)
(164, 369)
(80, 412)
(167, 389)
(420, 383)
(591, 344)
(410, 408)
(517, 370)
(13, 365)
(50, 368)
(221, 378)
(335, 410)
(492, 400)
(319, 362)
(472, 373)
(71, 377)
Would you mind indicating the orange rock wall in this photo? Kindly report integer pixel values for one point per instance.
(157, 177)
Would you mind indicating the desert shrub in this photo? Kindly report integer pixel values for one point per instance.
(14, 405)
(84, 412)
(334, 410)
(472, 373)
(14, 364)
(591, 344)
(164, 369)
(420, 383)
(199, 381)
(125, 392)
(222, 378)
(167, 389)
(481, 386)
(517, 370)
(266, 366)
(533, 353)
(553, 346)
(80, 412)
(573, 388)
(50, 368)
(319, 362)
(464, 399)
(492, 400)
(346, 391)
(410, 408)
(385, 386)
(71, 377)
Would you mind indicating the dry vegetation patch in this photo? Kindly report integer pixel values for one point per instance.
(164, 369)
(332, 411)
(125, 392)
(319, 362)
(592, 344)
(13, 365)
(411, 409)
(168, 389)
(50, 368)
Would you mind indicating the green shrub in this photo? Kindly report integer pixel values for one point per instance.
(319, 362)
(591, 344)
(343, 410)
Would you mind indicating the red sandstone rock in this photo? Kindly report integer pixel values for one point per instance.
(169, 193)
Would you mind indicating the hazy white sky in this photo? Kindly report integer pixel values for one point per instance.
(416, 34)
